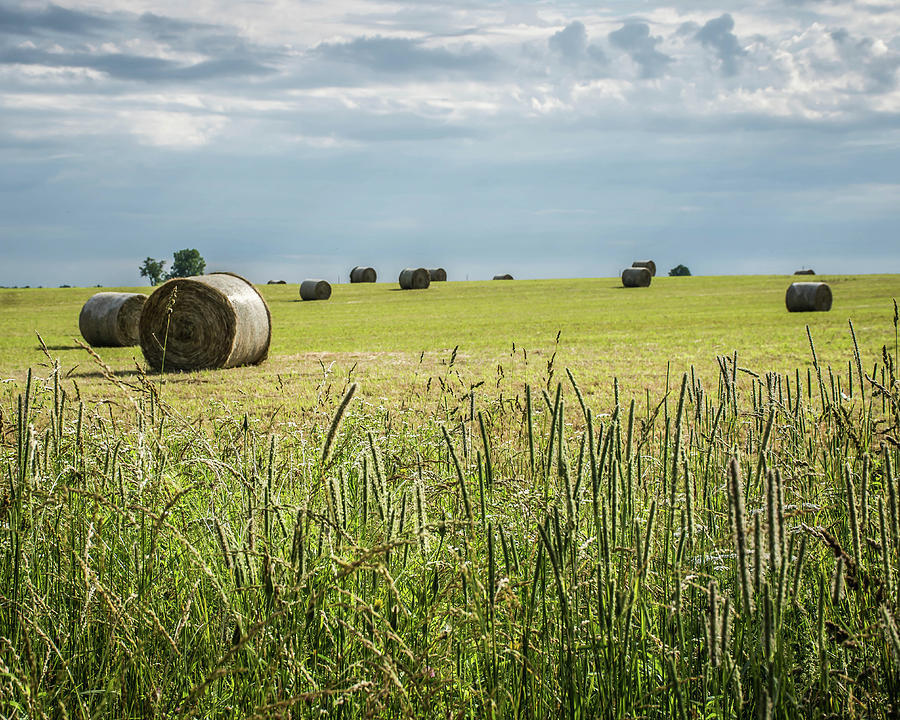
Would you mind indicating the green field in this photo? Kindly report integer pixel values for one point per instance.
(393, 341)
(471, 531)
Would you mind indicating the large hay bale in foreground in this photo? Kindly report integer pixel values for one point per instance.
(808, 297)
(808, 271)
(437, 274)
(111, 319)
(505, 276)
(315, 290)
(414, 279)
(205, 321)
(361, 274)
(636, 277)
(649, 264)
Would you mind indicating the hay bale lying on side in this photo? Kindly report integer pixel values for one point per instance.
(361, 274)
(437, 274)
(505, 276)
(810, 271)
(808, 297)
(315, 290)
(110, 319)
(206, 321)
(414, 279)
(649, 264)
(636, 277)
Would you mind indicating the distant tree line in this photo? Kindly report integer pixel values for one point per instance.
(186, 262)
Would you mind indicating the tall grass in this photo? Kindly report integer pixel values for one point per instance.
(731, 554)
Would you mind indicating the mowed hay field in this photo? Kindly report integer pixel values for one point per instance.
(526, 499)
(394, 341)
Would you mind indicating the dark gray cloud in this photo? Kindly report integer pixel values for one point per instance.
(15, 21)
(879, 68)
(122, 66)
(635, 39)
(717, 35)
(405, 56)
(570, 42)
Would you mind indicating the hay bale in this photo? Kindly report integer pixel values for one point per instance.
(808, 297)
(649, 264)
(361, 274)
(414, 279)
(315, 290)
(810, 271)
(216, 321)
(505, 276)
(636, 277)
(110, 319)
(437, 274)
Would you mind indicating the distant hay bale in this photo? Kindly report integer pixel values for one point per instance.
(205, 321)
(505, 276)
(810, 271)
(437, 274)
(111, 319)
(361, 274)
(649, 264)
(414, 279)
(315, 290)
(808, 297)
(636, 277)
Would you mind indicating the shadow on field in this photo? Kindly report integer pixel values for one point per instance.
(59, 347)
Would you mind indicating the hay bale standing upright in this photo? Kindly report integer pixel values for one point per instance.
(315, 290)
(414, 279)
(361, 274)
(636, 277)
(808, 297)
(205, 321)
(111, 319)
(437, 274)
(649, 264)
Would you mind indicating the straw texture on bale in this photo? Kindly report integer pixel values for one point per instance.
(808, 297)
(205, 321)
(636, 277)
(315, 290)
(361, 274)
(414, 279)
(505, 276)
(810, 271)
(649, 264)
(110, 319)
(437, 274)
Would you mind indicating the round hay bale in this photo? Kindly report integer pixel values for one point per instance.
(649, 264)
(315, 290)
(636, 277)
(808, 297)
(205, 321)
(437, 274)
(505, 276)
(111, 319)
(361, 274)
(414, 279)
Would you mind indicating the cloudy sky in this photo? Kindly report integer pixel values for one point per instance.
(287, 139)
